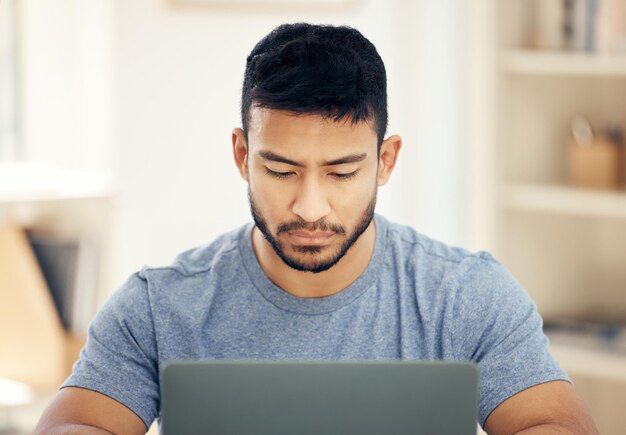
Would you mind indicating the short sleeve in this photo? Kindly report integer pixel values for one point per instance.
(498, 327)
(120, 357)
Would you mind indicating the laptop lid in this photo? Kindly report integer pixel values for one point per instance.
(327, 397)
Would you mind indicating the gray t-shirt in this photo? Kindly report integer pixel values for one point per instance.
(417, 299)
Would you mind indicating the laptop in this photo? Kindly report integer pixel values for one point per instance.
(319, 398)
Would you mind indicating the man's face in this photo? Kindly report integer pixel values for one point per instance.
(312, 185)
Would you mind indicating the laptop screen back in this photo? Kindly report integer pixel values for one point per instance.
(339, 397)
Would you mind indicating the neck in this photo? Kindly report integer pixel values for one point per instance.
(316, 285)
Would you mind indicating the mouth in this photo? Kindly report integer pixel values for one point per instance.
(309, 238)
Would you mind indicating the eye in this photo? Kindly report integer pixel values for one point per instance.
(344, 177)
(279, 175)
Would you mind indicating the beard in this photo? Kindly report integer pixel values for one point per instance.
(311, 258)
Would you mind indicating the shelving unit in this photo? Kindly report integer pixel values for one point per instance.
(591, 363)
(566, 245)
(24, 182)
(64, 203)
(574, 229)
(564, 200)
(562, 64)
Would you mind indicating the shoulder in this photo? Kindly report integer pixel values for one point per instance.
(201, 259)
(422, 255)
(153, 288)
(453, 279)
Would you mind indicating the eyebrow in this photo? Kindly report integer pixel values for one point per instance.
(352, 158)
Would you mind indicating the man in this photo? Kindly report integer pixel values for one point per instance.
(318, 275)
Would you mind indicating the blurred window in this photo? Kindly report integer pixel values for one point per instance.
(9, 143)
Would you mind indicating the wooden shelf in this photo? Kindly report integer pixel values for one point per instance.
(26, 182)
(592, 363)
(563, 63)
(564, 243)
(40, 352)
(29, 324)
(548, 198)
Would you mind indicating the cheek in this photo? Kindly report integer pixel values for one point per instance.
(349, 204)
(269, 196)
(357, 190)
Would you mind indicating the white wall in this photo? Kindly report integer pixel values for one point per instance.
(8, 80)
(149, 93)
(66, 81)
(180, 74)
(433, 78)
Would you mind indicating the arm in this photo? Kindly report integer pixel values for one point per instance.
(82, 411)
(522, 388)
(116, 377)
(549, 408)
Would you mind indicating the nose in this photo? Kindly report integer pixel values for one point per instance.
(311, 203)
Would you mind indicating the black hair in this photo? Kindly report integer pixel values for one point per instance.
(333, 71)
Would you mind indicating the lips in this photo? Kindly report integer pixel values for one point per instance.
(300, 237)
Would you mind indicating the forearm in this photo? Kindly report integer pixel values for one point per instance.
(558, 429)
(72, 429)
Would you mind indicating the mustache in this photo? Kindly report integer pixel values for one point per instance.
(321, 225)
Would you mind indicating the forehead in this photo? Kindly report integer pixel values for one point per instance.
(308, 135)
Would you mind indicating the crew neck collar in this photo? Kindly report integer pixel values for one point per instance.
(312, 306)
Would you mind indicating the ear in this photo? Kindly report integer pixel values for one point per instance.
(240, 152)
(388, 155)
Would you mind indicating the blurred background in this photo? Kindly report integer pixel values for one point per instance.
(115, 123)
